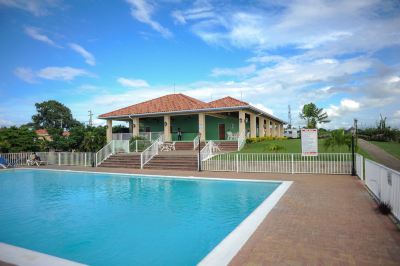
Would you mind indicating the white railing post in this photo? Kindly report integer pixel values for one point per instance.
(85, 159)
(136, 145)
(292, 164)
(237, 162)
(141, 161)
(59, 159)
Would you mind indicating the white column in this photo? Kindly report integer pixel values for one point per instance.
(135, 126)
(268, 129)
(109, 130)
(261, 129)
(167, 128)
(242, 122)
(253, 129)
(202, 126)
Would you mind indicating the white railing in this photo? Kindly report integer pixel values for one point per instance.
(152, 136)
(51, 158)
(151, 151)
(113, 147)
(241, 140)
(122, 136)
(145, 135)
(324, 163)
(196, 142)
(360, 166)
(206, 152)
(384, 183)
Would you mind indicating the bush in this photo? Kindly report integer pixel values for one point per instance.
(260, 139)
(384, 208)
(275, 147)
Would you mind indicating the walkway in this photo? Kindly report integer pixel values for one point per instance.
(322, 219)
(380, 155)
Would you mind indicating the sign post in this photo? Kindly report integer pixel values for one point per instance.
(309, 142)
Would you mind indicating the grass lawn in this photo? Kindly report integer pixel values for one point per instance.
(289, 146)
(390, 147)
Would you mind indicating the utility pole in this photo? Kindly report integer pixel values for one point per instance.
(90, 118)
(289, 117)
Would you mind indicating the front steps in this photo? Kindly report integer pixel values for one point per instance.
(183, 158)
(122, 160)
(171, 161)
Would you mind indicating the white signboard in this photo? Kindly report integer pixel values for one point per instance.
(309, 142)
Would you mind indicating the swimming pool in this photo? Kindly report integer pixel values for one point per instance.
(115, 219)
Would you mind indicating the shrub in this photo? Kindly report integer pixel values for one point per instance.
(275, 147)
(384, 208)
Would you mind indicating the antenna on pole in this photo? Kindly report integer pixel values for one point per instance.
(90, 118)
(289, 117)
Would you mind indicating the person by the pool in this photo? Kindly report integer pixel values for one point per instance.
(179, 134)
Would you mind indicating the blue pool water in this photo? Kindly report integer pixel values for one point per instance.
(103, 219)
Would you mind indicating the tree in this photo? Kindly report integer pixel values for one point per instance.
(53, 114)
(14, 139)
(313, 115)
(338, 138)
(94, 139)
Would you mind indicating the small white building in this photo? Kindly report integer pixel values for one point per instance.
(291, 133)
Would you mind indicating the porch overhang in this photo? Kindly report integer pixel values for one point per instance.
(195, 111)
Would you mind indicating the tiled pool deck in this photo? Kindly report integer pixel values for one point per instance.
(321, 220)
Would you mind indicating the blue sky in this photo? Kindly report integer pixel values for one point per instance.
(102, 55)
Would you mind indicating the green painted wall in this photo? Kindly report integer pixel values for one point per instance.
(189, 125)
(231, 122)
(156, 124)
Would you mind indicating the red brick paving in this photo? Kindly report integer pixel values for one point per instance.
(321, 220)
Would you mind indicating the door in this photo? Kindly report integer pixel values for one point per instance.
(221, 129)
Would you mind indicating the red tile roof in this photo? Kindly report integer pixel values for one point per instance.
(167, 103)
(173, 103)
(227, 102)
(41, 132)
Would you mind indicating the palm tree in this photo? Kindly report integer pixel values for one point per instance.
(313, 115)
(338, 138)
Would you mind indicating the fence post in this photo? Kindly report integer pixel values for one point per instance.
(237, 162)
(141, 161)
(85, 159)
(59, 159)
(292, 164)
(136, 145)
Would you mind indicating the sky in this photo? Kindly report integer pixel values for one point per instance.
(103, 55)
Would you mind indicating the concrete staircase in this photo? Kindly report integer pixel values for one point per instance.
(227, 145)
(173, 162)
(184, 158)
(122, 160)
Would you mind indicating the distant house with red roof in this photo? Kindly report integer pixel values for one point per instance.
(222, 119)
(44, 134)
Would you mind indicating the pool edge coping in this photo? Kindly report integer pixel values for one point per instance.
(229, 247)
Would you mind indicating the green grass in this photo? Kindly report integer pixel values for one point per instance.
(390, 147)
(289, 146)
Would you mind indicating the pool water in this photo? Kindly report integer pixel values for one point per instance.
(111, 219)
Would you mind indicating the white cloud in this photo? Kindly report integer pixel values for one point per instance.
(89, 58)
(133, 83)
(37, 34)
(263, 108)
(142, 11)
(346, 106)
(26, 74)
(35, 7)
(61, 73)
(241, 71)
(6, 123)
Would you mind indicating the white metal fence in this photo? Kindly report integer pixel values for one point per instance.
(145, 135)
(384, 184)
(113, 147)
(324, 163)
(196, 142)
(206, 152)
(151, 151)
(51, 158)
(241, 140)
(360, 166)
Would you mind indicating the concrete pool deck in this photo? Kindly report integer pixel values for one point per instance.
(320, 220)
